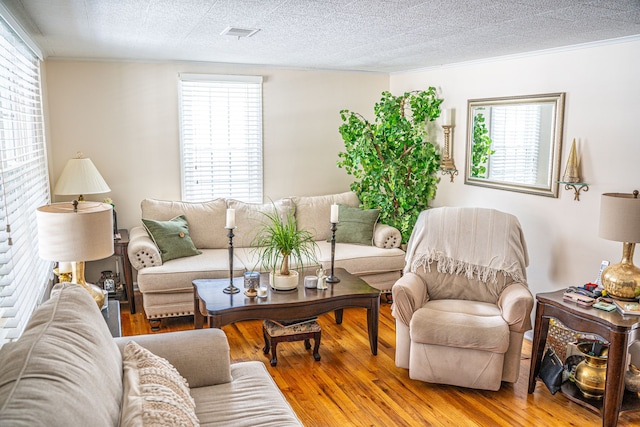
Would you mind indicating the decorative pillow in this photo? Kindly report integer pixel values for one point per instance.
(356, 225)
(155, 394)
(171, 237)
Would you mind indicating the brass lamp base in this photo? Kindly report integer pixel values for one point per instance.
(623, 280)
(78, 278)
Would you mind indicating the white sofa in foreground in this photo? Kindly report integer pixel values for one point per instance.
(66, 370)
(166, 286)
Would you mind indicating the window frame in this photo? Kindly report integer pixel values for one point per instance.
(239, 175)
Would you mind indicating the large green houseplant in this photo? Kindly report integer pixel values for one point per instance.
(394, 165)
(279, 240)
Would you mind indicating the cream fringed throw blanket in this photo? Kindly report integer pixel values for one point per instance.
(474, 242)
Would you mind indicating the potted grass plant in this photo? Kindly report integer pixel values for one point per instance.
(279, 242)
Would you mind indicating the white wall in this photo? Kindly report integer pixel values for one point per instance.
(602, 86)
(124, 116)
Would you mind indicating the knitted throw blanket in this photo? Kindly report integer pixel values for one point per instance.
(475, 242)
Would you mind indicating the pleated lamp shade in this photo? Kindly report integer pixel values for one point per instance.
(620, 217)
(70, 236)
(80, 176)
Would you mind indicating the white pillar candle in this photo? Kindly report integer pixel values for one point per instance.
(334, 214)
(447, 117)
(231, 218)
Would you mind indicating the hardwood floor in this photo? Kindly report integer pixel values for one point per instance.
(351, 387)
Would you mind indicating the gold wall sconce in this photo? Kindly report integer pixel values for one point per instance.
(571, 176)
(446, 163)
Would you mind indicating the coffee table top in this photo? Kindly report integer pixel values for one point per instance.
(210, 293)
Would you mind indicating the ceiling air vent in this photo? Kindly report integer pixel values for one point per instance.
(239, 32)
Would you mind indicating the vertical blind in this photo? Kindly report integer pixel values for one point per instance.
(221, 137)
(24, 184)
(515, 138)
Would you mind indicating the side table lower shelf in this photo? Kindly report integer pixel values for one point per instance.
(630, 401)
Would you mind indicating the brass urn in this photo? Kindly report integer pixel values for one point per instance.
(632, 379)
(591, 373)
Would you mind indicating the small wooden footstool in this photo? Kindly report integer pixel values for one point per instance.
(275, 333)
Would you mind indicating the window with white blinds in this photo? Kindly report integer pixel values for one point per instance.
(516, 140)
(24, 184)
(221, 137)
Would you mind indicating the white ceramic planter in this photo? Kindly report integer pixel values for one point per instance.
(284, 283)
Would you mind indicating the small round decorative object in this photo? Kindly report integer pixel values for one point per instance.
(251, 283)
(632, 379)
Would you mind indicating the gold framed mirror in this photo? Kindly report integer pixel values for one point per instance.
(514, 143)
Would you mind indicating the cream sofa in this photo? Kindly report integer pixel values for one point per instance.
(67, 370)
(166, 288)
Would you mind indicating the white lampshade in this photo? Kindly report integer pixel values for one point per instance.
(80, 176)
(620, 217)
(70, 236)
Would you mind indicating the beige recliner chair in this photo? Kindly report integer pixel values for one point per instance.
(463, 304)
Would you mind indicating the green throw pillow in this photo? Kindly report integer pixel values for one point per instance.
(171, 237)
(356, 225)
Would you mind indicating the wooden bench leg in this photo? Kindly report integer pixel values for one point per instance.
(274, 355)
(316, 347)
(155, 324)
(267, 343)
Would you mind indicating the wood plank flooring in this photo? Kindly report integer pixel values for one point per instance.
(351, 387)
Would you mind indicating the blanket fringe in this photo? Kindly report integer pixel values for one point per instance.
(452, 266)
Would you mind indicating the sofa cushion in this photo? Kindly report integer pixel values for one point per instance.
(176, 275)
(356, 225)
(251, 399)
(250, 216)
(206, 219)
(65, 368)
(462, 324)
(361, 260)
(314, 213)
(171, 237)
(155, 394)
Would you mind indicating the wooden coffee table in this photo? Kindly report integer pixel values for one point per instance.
(222, 309)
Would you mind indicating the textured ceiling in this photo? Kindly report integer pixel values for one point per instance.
(364, 35)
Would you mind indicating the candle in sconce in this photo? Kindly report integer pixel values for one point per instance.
(334, 214)
(231, 218)
(447, 117)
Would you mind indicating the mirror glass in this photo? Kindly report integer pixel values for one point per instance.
(514, 143)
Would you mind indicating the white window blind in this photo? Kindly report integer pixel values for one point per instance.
(515, 138)
(221, 137)
(24, 184)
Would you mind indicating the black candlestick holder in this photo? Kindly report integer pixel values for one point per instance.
(332, 277)
(230, 289)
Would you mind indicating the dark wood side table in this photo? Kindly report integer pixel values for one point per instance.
(620, 331)
(120, 247)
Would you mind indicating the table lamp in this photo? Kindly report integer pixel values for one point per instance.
(76, 232)
(620, 221)
(79, 177)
